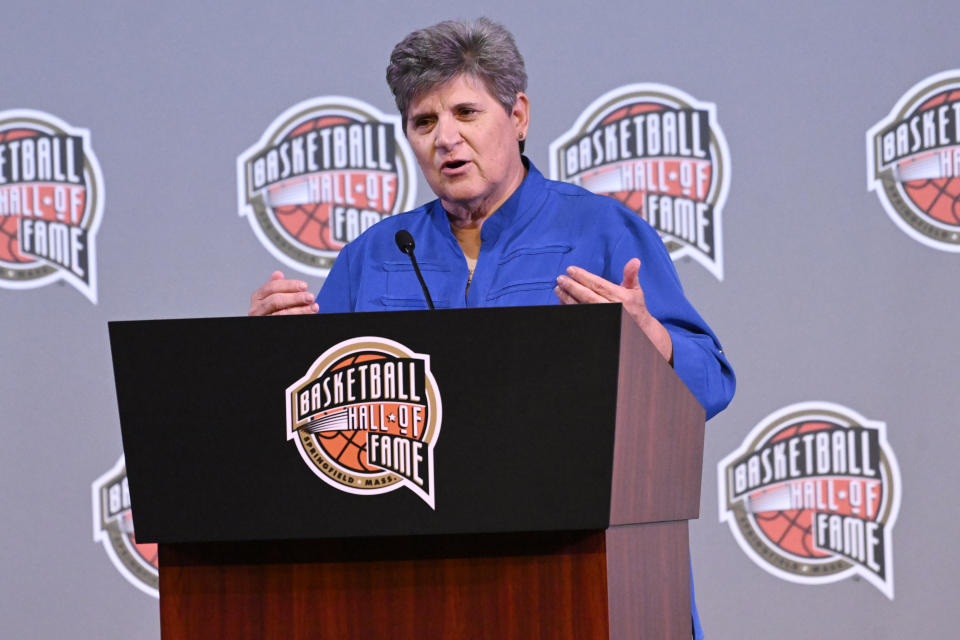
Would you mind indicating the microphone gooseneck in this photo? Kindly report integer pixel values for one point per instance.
(406, 245)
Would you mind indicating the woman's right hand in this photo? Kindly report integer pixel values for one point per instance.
(279, 296)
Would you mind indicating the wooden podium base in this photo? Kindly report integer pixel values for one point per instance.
(556, 585)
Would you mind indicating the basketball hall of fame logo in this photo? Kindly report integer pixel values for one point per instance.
(323, 172)
(913, 161)
(51, 203)
(113, 528)
(366, 417)
(661, 153)
(813, 494)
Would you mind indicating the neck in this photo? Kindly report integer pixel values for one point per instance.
(468, 237)
(464, 217)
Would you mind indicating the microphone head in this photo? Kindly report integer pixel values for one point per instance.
(404, 241)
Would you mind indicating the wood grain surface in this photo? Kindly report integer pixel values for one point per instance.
(550, 585)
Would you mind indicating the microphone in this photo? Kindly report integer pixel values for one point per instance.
(405, 244)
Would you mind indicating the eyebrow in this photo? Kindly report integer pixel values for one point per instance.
(472, 105)
(418, 114)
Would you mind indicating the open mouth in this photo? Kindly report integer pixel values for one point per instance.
(454, 164)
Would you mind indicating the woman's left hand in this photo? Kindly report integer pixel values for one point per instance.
(579, 286)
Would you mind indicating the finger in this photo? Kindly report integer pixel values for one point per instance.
(565, 298)
(280, 285)
(607, 290)
(631, 272)
(299, 310)
(279, 301)
(578, 292)
(276, 284)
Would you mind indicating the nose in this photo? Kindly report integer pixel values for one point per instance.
(447, 133)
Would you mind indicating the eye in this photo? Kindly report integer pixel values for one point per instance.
(422, 123)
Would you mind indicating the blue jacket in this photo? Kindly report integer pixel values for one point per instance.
(543, 228)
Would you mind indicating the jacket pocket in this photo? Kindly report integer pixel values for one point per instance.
(529, 271)
(399, 304)
(402, 288)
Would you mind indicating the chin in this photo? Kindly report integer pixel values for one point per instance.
(461, 194)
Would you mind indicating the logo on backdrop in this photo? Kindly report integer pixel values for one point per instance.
(323, 172)
(812, 495)
(661, 153)
(113, 527)
(913, 161)
(366, 417)
(51, 203)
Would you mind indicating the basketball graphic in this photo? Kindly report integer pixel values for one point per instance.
(790, 529)
(349, 447)
(913, 161)
(323, 172)
(308, 222)
(137, 562)
(51, 203)
(366, 417)
(662, 154)
(812, 495)
(9, 249)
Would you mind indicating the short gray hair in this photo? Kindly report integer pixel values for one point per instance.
(429, 57)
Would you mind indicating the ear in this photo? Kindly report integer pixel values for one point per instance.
(521, 115)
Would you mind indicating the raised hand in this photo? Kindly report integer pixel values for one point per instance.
(279, 296)
(579, 286)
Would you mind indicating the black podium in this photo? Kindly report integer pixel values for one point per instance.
(551, 503)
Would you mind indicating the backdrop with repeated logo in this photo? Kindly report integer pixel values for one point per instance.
(824, 297)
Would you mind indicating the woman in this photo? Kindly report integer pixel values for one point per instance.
(499, 233)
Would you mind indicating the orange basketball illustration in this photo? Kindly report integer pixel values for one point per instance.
(349, 447)
(791, 529)
(309, 222)
(365, 417)
(9, 242)
(9, 247)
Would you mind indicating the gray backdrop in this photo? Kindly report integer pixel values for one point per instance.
(824, 298)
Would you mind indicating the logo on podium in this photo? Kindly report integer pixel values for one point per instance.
(366, 417)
